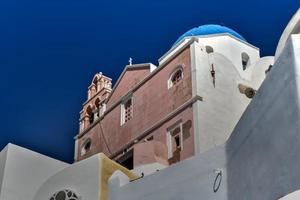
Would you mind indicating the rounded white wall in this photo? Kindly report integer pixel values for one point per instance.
(293, 27)
(258, 71)
(232, 49)
(23, 171)
(82, 178)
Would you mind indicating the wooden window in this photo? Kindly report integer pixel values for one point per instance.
(126, 111)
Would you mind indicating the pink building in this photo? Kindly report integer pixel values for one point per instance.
(188, 104)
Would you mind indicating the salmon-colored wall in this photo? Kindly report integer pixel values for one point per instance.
(150, 152)
(130, 78)
(151, 102)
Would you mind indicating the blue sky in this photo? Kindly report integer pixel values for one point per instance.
(50, 50)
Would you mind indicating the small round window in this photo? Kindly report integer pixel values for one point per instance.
(86, 146)
(64, 195)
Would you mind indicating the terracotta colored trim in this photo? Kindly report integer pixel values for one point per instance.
(87, 101)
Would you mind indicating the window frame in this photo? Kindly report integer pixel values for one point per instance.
(170, 136)
(123, 109)
(67, 193)
(83, 149)
(170, 82)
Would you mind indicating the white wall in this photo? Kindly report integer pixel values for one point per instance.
(3, 156)
(191, 179)
(216, 116)
(148, 169)
(82, 178)
(293, 27)
(257, 71)
(232, 49)
(222, 105)
(24, 172)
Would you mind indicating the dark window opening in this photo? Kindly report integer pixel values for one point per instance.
(177, 77)
(88, 145)
(97, 103)
(177, 141)
(92, 118)
(95, 82)
(127, 160)
(150, 138)
(244, 63)
(89, 112)
(245, 60)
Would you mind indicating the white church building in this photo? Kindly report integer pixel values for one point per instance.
(259, 159)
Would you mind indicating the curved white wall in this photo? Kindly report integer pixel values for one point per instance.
(293, 27)
(232, 49)
(82, 178)
(23, 171)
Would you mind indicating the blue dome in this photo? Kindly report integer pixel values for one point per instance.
(209, 29)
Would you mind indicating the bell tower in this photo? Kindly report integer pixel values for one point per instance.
(95, 106)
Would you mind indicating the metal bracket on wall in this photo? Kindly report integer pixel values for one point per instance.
(213, 74)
